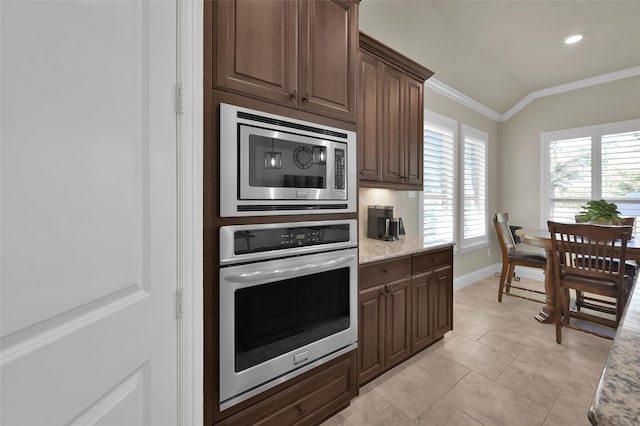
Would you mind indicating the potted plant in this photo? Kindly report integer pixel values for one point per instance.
(599, 212)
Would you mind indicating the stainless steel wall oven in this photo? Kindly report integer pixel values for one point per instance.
(288, 302)
(279, 165)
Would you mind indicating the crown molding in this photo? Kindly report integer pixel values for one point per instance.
(574, 85)
(451, 93)
(463, 99)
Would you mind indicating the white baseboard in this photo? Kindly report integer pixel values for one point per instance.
(480, 274)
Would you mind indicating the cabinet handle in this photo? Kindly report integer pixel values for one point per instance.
(361, 172)
(301, 410)
(305, 99)
(383, 291)
(294, 95)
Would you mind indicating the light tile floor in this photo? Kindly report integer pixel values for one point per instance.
(498, 366)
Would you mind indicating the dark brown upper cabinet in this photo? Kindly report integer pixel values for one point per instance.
(390, 115)
(301, 54)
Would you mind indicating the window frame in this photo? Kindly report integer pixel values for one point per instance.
(451, 125)
(596, 133)
(482, 240)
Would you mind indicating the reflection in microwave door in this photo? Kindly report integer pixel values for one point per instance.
(303, 157)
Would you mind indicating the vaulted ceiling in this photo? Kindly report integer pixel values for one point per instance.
(498, 52)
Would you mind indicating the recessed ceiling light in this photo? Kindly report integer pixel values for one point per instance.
(573, 39)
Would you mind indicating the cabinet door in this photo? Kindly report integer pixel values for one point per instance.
(443, 301)
(413, 136)
(398, 319)
(328, 32)
(370, 118)
(422, 293)
(393, 125)
(371, 332)
(257, 48)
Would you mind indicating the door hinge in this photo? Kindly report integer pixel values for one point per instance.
(179, 97)
(179, 303)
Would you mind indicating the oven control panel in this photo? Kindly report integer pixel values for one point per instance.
(259, 240)
(241, 243)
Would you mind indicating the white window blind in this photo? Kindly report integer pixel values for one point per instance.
(474, 187)
(438, 198)
(570, 177)
(591, 163)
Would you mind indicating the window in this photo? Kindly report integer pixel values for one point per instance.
(474, 187)
(454, 200)
(438, 198)
(591, 163)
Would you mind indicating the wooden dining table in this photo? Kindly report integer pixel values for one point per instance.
(541, 238)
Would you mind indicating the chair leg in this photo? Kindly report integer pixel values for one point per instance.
(567, 301)
(579, 299)
(510, 272)
(503, 278)
(559, 303)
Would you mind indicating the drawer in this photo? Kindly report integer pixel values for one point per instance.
(306, 402)
(372, 274)
(428, 261)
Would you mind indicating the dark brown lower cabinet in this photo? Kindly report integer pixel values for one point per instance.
(405, 305)
(307, 402)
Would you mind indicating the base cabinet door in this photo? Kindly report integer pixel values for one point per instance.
(405, 305)
(371, 332)
(422, 295)
(398, 331)
(442, 301)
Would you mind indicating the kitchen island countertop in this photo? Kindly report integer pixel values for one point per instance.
(617, 399)
(371, 250)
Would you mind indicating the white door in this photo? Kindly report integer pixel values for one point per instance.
(88, 190)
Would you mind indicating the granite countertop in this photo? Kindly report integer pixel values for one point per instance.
(617, 399)
(371, 250)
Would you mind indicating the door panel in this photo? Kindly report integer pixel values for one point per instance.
(88, 213)
(421, 312)
(398, 331)
(413, 132)
(443, 301)
(392, 131)
(256, 48)
(370, 118)
(328, 53)
(371, 334)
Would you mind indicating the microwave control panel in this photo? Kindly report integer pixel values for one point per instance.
(340, 169)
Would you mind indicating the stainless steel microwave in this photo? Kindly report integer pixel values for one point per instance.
(275, 165)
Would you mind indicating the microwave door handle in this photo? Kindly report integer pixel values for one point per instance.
(256, 276)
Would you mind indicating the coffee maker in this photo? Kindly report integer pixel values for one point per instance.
(382, 225)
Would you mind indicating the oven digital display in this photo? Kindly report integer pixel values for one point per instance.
(259, 240)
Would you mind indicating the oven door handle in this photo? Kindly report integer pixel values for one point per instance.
(251, 277)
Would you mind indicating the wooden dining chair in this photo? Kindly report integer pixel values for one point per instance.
(512, 257)
(608, 305)
(573, 247)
